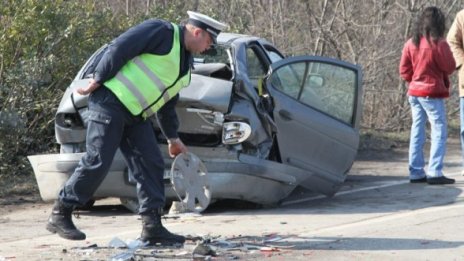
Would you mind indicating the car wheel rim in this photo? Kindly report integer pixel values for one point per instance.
(189, 178)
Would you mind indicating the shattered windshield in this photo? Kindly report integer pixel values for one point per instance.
(217, 54)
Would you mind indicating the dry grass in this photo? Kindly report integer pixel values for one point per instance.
(12, 188)
(381, 141)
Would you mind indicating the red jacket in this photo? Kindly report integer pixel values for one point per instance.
(426, 68)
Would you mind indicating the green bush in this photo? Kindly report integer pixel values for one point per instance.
(44, 43)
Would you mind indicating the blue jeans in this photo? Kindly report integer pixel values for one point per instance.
(434, 110)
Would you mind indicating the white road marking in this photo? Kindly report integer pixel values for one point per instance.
(387, 184)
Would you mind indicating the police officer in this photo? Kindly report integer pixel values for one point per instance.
(140, 74)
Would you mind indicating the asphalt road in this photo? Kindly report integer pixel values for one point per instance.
(377, 215)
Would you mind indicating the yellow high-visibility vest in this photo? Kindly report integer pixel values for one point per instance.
(147, 82)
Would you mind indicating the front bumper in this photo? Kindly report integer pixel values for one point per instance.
(230, 176)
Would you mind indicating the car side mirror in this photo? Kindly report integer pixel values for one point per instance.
(315, 81)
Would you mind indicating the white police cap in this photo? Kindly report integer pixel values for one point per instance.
(212, 26)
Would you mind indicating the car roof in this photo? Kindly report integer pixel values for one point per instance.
(227, 38)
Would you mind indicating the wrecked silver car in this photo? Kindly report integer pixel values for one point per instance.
(262, 125)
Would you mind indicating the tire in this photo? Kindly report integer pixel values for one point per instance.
(87, 205)
(131, 204)
(72, 148)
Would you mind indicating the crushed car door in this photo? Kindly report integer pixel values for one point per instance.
(317, 109)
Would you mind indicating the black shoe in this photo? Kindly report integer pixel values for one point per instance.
(421, 180)
(60, 222)
(155, 233)
(440, 181)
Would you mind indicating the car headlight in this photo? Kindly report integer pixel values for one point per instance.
(235, 132)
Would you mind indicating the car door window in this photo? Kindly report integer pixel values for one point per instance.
(255, 66)
(288, 79)
(274, 56)
(326, 87)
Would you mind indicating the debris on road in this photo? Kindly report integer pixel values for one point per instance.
(195, 248)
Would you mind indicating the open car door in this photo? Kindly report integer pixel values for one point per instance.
(317, 110)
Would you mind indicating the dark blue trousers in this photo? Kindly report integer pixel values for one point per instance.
(112, 126)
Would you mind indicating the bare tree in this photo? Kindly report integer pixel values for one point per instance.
(370, 33)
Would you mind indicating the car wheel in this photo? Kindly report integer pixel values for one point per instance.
(72, 148)
(87, 205)
(131, 204)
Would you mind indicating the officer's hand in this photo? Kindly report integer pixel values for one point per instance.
(176, 146)
(92, 86)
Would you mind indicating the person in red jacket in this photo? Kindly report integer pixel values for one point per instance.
(426, 63)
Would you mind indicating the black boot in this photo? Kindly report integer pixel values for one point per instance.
(60, 222)
(154, 232)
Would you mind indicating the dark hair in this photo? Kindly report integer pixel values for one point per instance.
(431, 25)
